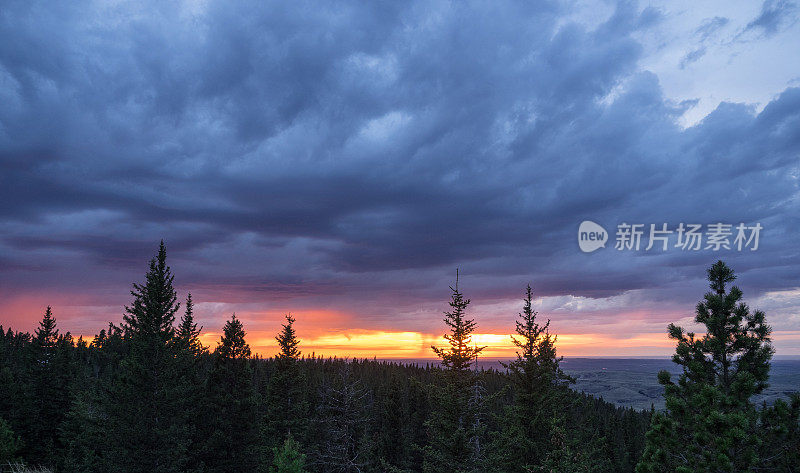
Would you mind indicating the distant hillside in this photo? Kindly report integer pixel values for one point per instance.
(631, 382)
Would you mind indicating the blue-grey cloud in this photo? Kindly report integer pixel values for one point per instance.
(692, 56)
(710, 26)
(774, 14)
(364, 149)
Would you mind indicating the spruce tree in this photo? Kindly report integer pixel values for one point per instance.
(288, 342)
(187, 335)
(288, 458)
(537, 367)
(46, 337)
(461, 354)
(86, 430)
(710, 423)
(232, 345)
(192, 367)
(149, 419)
(232, 416)
(285, 405)
(9, 443)
(49, 396)
(149, 320)
(539, 385)
(454, 427)
(83, 433)
(569, 453)
(398, 423)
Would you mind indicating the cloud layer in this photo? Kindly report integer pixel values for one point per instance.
(348, 157)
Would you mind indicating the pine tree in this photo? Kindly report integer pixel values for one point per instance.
(537, 367)
(9, 443)
(710, 423)
(569, 453)
(539, 386)
(288, 342)
(149, 419)
(780, 424)
(396, 435)
(187, 335)
(454, 428)
(150, 319)
(83, 432)
(285, 405)
(192, 369)
(49, 396)
(232, 345)
(460, 356)
(232, 416)
(288, 458)
(46, 337)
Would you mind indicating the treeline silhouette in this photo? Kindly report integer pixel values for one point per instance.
(147, 396)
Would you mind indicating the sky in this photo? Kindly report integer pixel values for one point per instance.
(340, 160)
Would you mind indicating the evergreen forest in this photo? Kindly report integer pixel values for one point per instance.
(144, 395)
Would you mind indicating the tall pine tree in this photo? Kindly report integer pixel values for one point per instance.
(192, 367)
(187, 335)
(288, 342)
(710, 423)
(285, 405)
(461, 354)
(49, 397)
(232, 415)
(148, 416)
(454, 427)
(539, 387)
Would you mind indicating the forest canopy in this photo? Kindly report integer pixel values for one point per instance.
(145, 395)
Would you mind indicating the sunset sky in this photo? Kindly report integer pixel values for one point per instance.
(340, 162)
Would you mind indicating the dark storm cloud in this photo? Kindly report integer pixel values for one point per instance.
(305, 145)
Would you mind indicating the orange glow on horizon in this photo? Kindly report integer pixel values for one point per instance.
(359, 343)
(403, 345)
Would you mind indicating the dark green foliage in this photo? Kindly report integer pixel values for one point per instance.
(400, 412)
(83, 432)
(151, 317)
(344, 446)
(285, 406)
(288, 458)
(9, 443)
(455, 429)
(780, 435)
(288, 342)
(187, 335)
(390, 431)
(536, 370)
(149, 425)
(567, 452)
(44, 389)
(460, 356)
(710, 423)
(231, 411)
(527, 438)
(232, 345)
(146, 396)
